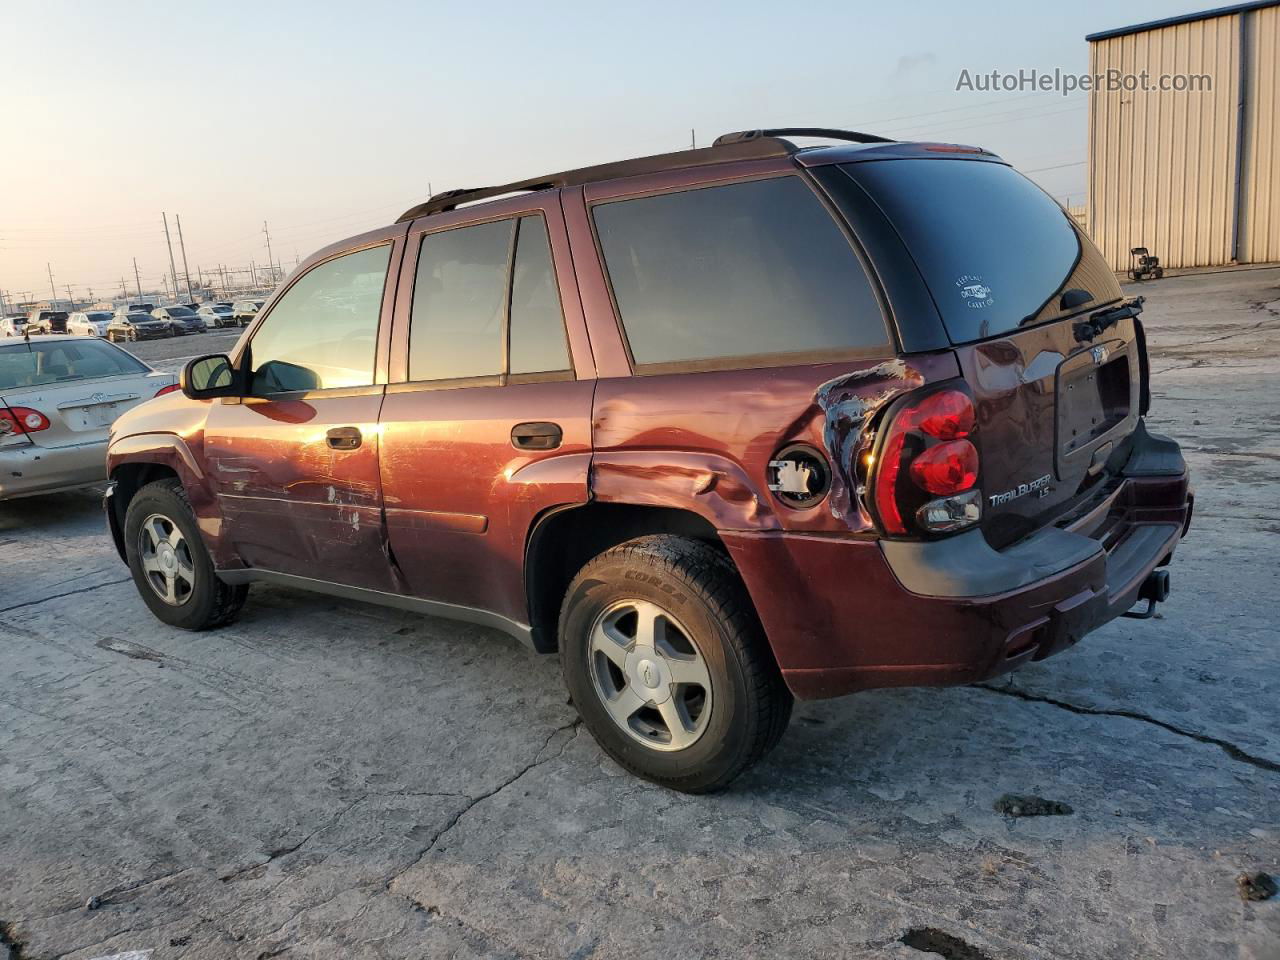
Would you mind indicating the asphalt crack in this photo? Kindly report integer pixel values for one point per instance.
(1226, 746)
(537, 761)
(277, 852)
(69, 593)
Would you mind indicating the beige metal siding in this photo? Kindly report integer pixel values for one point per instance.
(1162, 163)
(1260, 191)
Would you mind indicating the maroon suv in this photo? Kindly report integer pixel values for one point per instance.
(723, 427)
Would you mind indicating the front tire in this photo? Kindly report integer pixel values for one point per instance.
(668, 666)
(171, 567)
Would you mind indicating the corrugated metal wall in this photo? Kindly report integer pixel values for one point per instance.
(1260, 193)
(1162, 165)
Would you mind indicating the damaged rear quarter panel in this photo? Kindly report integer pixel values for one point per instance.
(703, 441)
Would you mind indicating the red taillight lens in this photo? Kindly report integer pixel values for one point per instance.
(22, 420)
(887, 471)
(925, 440)
(946, 468)
(947, 415)
(163, 390)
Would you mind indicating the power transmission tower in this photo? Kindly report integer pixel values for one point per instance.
(271, 264)
(186, 273)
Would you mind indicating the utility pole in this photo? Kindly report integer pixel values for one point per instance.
(693, 139)
(137, 279)
(4, 311)
(71, 303)
(253, 272)
(271, 264)
(165, 281)
(124, 290)
(173, 270)
(223, 274)
(185, 272)
(51, 286)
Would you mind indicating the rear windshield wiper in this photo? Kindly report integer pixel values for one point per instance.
(1086, 330)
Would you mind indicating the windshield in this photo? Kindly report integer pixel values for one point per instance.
(59, 361)
(52, 315)
(993, 248)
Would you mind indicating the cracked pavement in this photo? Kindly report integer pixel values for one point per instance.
(329, 779)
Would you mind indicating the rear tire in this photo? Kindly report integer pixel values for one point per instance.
(171, 567)
(647, 711)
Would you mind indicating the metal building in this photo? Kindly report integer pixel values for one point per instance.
(1193, 174)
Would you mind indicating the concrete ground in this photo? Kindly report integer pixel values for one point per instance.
(328, 779)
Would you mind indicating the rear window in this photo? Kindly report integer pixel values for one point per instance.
(993, 248)
(757, 269)
(59, 361)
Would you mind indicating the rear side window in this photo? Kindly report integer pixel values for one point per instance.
(994, 249)
(479, 312)
(61, 361)
(757, 269)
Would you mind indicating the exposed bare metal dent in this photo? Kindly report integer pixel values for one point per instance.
(848, 404)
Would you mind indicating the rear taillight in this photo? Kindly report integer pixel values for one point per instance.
(926, 469)
(15, 420)
(163, 390)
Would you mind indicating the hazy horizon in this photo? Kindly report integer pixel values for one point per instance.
(325, 120)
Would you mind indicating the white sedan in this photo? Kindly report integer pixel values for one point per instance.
(59, 396)
(90, 323)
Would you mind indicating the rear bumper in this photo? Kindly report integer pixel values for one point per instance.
(845, 615)
(29, 470)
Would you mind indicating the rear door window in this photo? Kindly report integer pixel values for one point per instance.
(730, 273)
(459, 302)
(537, 342)
(480, 312)
(994, 249)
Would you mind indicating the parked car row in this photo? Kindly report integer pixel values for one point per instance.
(136, 321)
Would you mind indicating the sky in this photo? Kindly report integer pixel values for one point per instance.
(328, 118)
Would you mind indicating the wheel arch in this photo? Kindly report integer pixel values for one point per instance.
(562, 540)
(126, 480)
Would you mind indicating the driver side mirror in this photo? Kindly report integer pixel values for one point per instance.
(208, 377)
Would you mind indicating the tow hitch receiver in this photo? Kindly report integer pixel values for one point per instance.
(1155, 589)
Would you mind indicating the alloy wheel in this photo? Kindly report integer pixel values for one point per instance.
(166, 560)
(650, 675)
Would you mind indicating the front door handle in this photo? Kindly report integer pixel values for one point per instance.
(536, 436)
(344, 438)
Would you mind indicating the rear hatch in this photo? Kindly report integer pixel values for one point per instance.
(1014, 279)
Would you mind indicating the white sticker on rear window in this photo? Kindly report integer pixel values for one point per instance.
(974, 292)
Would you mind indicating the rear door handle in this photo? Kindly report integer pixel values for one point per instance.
(344, 438)
(536, 436)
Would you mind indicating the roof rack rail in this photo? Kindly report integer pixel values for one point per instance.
(828, 133)
(744, 145)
